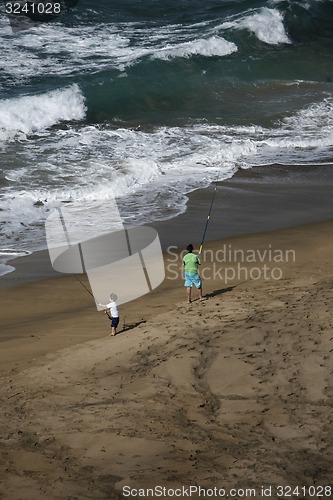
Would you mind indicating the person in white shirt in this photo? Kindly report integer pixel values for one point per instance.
(112, 311)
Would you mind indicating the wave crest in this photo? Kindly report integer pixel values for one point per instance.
(267, 25)
(213, 46)
(32, 114)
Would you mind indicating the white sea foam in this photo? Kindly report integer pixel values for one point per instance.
(149, 172)
(314, 117)
(267, 25)
(7, 255)
(68, 51)
(213, 46)
(304, 137)
(62, 50)
(31, 114)
(5, 268)
(12, 253)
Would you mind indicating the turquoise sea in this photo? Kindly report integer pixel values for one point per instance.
(149, 100)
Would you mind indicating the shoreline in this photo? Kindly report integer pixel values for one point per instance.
(256, 200)
(241, 209)
(57, 312)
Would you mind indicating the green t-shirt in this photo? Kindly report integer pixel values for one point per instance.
(191, 262)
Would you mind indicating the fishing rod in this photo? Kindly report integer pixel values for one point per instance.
(69, 243)
(84, 286)
(208, 218)
(81, 256)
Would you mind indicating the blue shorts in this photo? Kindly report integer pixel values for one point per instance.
(192, 279)
(115, 322)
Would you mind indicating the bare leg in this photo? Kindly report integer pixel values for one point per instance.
(188, 294)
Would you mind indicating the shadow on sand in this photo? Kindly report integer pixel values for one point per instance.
(215, 293)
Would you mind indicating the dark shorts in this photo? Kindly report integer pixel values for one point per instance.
(115, 322)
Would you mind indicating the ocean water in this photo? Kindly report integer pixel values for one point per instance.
(149, 100)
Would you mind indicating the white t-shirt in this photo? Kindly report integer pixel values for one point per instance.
(114, 311)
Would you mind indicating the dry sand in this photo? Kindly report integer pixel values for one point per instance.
(233, 392)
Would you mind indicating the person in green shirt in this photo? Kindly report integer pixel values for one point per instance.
(191, 262)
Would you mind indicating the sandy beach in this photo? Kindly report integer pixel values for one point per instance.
(169, 123)
(233, 392)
